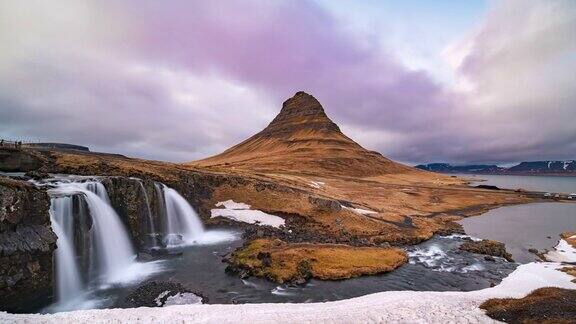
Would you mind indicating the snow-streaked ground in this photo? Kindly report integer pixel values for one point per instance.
(241, 212)
(231, 204)
(388, 307)
(317, 184)
(563, 252)
(360, 210)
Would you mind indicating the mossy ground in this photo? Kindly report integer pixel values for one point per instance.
(544, 305)
(283, 262)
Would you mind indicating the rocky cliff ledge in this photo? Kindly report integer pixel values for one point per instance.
(26, 244)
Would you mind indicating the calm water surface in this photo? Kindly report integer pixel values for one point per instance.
(525, 226)
(532, 183)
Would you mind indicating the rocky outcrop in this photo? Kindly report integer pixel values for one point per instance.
(487, 247)
(26, 244)
(325, 205)
(18, 160)
(158, 294)
(137, 204)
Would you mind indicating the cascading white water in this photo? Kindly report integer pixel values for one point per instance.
(182, 223)
(105, 252)
(113, 252)
(68, 283)
(98, 189)
(149, 214)
(147, 201)
(113, 246)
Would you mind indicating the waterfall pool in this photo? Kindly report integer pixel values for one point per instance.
(96, 264)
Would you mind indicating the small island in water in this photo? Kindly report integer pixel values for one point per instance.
(298, 213)
(286, 161)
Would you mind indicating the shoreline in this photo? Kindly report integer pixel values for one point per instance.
(409, 306)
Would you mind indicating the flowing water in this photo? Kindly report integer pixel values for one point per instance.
(110, 252)
(435, 265)
(183, 226)
(152, 228)
(68, 284)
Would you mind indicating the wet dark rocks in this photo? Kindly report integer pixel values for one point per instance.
(488, 187)
(297, 230)
(325, 205)
(487, 247)
(37, 175)
(156, 294)
(27, 244)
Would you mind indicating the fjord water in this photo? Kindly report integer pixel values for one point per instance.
(524, 227)
(528, 226)
(533, 183)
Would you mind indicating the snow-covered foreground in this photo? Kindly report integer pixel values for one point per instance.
(389, 307)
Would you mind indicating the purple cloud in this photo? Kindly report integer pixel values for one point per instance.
(181, 80)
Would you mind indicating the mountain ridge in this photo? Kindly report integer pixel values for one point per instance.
(552, 167)
(302, 138)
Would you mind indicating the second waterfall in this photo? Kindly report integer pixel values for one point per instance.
(182, 224)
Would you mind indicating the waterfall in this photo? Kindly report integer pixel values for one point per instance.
(98, 189)
(182, 223)
(94, 249)
(111, 254)
(149, 214)
(68, 283)
(113, 246)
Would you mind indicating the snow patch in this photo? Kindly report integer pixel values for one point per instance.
(563, 252)
(183, 299)
(231, 204)
(241, 212)
(360, 210)
(317, 184)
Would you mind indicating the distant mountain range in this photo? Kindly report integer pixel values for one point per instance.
(530, 168)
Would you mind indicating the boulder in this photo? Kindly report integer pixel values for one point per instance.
(161, 293)
(27, 244)
(487, 247)
(325, 205)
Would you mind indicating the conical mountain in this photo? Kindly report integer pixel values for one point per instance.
(303, 139)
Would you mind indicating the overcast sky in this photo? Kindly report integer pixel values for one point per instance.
(178, 80)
